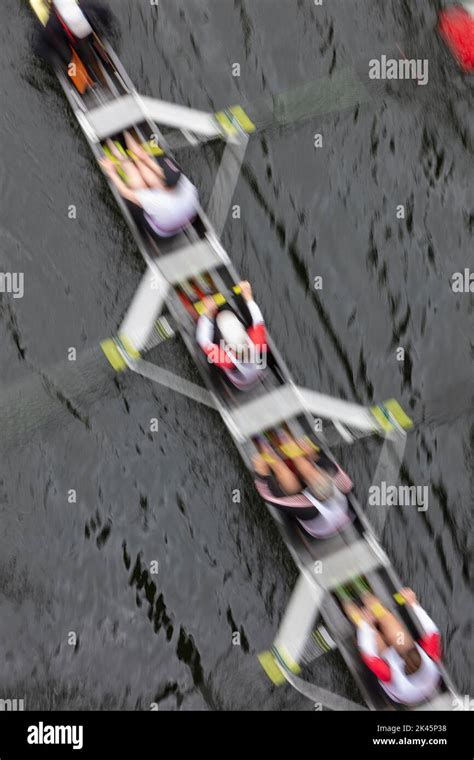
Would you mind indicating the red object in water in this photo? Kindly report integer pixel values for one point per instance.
(456, 25)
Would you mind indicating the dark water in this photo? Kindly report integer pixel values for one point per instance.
(85, 567)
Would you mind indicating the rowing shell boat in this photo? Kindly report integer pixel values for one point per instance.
(193, 265)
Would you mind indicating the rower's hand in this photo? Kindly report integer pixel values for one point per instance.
(266, 448)
(108, 166)
(246, 289)
(408, 595)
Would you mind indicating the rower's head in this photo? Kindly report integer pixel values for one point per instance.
(171, 172)
(412, 660)
(321, 485)
(232, 330)
(72, 15)
(65, 4)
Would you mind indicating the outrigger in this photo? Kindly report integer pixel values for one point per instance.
(181, 271)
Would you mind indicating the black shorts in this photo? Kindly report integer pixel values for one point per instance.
(51, 42)
(139, 217)
(272, 485)
(308, 512)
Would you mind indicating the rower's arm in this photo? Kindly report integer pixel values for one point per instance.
(124, 190)
(139, 154)
(204, 332)
(257, 333)
(431, 639)
(428, 624)
(255, 313)
(204, 336)
(150, 162)
(367, 642)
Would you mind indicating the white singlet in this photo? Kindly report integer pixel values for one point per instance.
(73, 17)
(333, 515)
(403, 688)
(168, 211)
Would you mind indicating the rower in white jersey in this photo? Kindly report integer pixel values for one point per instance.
(160, 197)
(69, 36)
(291, 476)
(73, 18)
(407, 670)
(235, 342)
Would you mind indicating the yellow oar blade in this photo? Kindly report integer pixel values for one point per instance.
(389, 410)
(42, 10)
(113, 355)
(269, 664)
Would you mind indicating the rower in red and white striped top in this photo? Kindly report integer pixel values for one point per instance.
(407, 670)
(235, 342)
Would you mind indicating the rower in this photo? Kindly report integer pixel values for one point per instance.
(161, 199)
(73, 18)
(290, 480)
(234, 342)
(407, 670)
(69, 34)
